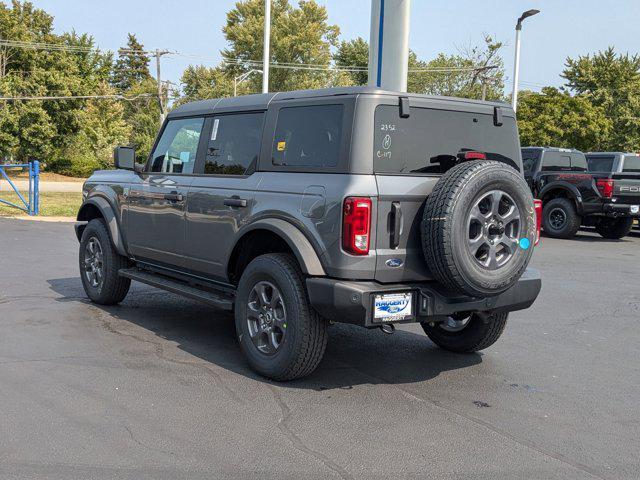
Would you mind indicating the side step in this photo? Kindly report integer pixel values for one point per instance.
(224, 302)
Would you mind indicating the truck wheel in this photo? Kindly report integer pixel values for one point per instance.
(478, 228)
(614, 228)
(100, 264)
(467, 334)
(280, 334)
(560, 219)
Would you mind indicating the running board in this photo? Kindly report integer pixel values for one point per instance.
(218, 300)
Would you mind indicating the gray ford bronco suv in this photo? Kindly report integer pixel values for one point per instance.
(297, 210)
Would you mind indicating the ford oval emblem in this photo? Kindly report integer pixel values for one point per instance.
(394, 262)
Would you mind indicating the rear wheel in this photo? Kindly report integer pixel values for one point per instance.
(560, 219)
(100, 264)
(467, 333)
(280, 334)
(614, 228)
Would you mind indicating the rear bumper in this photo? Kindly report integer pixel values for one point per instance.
(352, 302)
(619, 210)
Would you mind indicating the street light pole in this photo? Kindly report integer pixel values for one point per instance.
(267, 41)
(516, 67)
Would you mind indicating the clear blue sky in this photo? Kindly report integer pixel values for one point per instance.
(564, 28)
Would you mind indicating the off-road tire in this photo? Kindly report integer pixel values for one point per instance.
(614, 228)
(477, 335)
(306, 336)
(113, 288)
(445, 231)
(571, 224)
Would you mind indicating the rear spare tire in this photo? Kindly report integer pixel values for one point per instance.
(614, 228)
(479, 227)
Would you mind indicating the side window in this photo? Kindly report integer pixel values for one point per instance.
(234, 145)
(177, 148)
(578, 162)
(601, 163)
(556, 161)
(530, 160)
(308, 136)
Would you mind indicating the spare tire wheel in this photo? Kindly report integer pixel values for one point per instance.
(479, 228)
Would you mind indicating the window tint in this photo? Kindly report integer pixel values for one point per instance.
(308, 136)
(234, 144)
(631, 164)
(578, 162)
(556, 161)
(530, 159)
(600, 163)
(177, 148)
(430, 141)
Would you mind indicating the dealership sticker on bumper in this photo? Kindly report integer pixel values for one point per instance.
(393, 307)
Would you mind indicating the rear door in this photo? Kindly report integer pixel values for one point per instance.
(626, 186)
(221, 196)
(155, 208)
(410, 154)
(530, 164)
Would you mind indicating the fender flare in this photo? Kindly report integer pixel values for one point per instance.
(108, 213)
(572, 190)
(295, 239)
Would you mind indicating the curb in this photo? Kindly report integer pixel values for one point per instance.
(42, 219)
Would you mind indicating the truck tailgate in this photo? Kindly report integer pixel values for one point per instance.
(626, 188)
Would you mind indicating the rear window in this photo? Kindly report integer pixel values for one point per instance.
(631, 164)
(308, 136)
(552, 161)
(530, 159)
(430, 140)
(600, 163)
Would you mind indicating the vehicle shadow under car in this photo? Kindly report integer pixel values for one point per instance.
(354, 355)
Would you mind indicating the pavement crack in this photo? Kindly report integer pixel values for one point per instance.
(145, 446)
(159, 351)
(497, 430)
(297, 442)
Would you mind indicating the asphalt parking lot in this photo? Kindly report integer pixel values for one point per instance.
(156, 388)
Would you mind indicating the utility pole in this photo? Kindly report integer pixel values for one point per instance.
(267, 43)
(158, 54)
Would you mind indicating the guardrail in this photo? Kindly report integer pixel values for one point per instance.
(31, 205)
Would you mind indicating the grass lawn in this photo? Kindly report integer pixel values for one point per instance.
(51, 204)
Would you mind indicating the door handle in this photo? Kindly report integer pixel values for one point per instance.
(174, 197)
(235, 201)
(396, 225)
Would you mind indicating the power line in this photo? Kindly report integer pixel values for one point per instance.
(78, 97)
(237, 61)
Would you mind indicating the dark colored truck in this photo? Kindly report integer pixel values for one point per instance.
(297, 210)
(573, 194)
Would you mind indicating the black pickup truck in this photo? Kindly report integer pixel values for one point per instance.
(573, 194)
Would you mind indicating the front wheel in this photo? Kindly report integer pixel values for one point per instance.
(280, 334)
(466, 334)
(100, 264)
(614, 228)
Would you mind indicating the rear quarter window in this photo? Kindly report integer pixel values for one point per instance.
(578, 162)
(530, 159)
(430, 140)
(631, 164)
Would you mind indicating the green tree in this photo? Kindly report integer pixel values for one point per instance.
(354, 53)
(132, 66)
(610, 81)
(558, 119)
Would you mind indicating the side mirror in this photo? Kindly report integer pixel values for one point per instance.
(124, 158)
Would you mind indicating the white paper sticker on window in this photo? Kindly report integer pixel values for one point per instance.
(214, 134)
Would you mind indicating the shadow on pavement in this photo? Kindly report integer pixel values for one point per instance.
(354, 355)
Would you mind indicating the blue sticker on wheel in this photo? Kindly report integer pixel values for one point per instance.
(525, 243)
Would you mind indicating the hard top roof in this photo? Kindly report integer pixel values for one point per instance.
(262, 101)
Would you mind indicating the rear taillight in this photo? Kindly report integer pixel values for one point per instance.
(538, 207)
(605, 187)
(356, 225)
